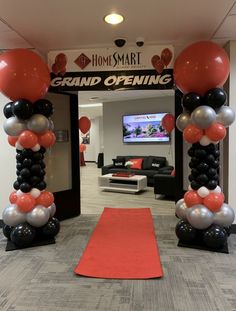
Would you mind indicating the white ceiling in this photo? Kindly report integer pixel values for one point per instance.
(75, 24)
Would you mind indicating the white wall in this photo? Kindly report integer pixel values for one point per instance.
(7, 161)
(112, 128)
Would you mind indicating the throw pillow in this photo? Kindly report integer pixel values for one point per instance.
(173, 173)
(155, 164)
(119, 163)
(136, 163)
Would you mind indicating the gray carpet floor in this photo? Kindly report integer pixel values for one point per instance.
(42, 278)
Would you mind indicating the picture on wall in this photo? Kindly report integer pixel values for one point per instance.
(86, 138)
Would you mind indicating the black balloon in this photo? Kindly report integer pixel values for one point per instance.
(202, 179)
(27, 153)
(191, 164)
(34, 180)
(16, 185)
(195, 160)
(41, 186)
(20, 179)
(228, 230)
(191, 101)
(191, 177)
(215, 164)
(195, 185)
(215, 237)
(210, 159)
(185, 232)
(211, 172)
(25, 187)
(36, 169)
(19, 157)
(202, 167)
(215, 98)
(194, 172)
(217, 153)
(42, 164)
(17, 172)
(44, 107)
(191, 151)
(212, 184)
(25, 173)
(200, 153)
(7, 231)
(19, 166)
(23, 235)
(37, 156)
(27, 163)
(52, 228)
(42, 150)
(22, 109)
(7, 110)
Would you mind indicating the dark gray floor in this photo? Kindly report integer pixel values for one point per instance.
(42, 278)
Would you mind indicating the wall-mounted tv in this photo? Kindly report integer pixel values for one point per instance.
(144, 128)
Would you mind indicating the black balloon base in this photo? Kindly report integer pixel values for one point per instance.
(198, 244)
(38, 241)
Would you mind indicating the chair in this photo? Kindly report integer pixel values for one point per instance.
(164, 184)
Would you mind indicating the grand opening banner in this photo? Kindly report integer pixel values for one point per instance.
(112, 68)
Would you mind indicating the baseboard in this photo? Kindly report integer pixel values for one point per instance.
(90, 162)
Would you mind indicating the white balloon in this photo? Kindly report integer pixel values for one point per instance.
(19, 193)
(36, 148)
(18, 146)
(11, 216)
(80, 140)
(35, 193)
(189, 187)
(217, 189)
(203, 192)
(204, 141)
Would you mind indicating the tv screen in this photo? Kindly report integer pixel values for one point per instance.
(146, 128)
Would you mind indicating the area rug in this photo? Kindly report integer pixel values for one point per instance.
(122, 246)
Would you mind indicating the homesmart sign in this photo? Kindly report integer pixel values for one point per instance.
(112, 69)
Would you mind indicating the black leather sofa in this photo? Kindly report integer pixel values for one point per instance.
(151, 166)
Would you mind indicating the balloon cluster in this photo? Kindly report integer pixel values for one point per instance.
(31, 210)
(59, 66)
(84, 125)
(205, 217)
(160, 62)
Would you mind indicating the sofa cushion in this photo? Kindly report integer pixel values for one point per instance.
(154, 161)
(155, 165)
(119, 163)
(137, 163)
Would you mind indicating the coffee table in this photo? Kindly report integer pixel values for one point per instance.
(132, 184)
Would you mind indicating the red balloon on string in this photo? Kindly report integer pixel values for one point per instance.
(168, 122)
(192, 134)
(155, 59)
(216, 132)
(28, 139)
(55, 68)
(12, 140)
(61, 59)
(82, 148)
(192, 198)
(23, 74)
(84, 124)
(200, 67)
(166, 56)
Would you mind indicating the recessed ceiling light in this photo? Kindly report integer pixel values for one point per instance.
(114, 19)
(91, 105)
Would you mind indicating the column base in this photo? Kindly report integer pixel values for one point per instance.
(198, 244)
(38, 241)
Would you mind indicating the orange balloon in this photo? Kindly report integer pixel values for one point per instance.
(214, 201)
(200, 67)
(191, 198)
(84, 124)
(61, 60)
(47, 139)
(216, 132)
(166, 56)
(192, 134)
(12, 140)
(13, 197)
(28, 139)
(82, 147)
(46, 199)
(168, 122)
(25, 203)
(23, 74)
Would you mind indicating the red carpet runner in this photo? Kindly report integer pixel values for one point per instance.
(122, 246)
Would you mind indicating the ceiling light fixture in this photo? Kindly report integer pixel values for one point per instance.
(113, 19)
(91, 105)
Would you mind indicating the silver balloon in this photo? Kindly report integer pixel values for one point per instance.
(38, 123)
(38, 217)
(181, 209)
(200, 217)
(183, 121)
(51, 124)
(225, 116)
(12, 217)
(52, 209)
(203, 116)
(225, 216)
(14, 127)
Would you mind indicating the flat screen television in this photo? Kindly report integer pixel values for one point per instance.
(144, 128)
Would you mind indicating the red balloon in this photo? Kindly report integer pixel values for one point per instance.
(159, 66)
(155, 59)
(12, 140)
(13, 197)
(84, 124)
(47, 139)
(46, 199)
(214, 201)
(82, 148)
(192, 134)
(55, 68)
(28, 139)
(200, 67)
(25, 203)
(166, 56)
(23, 74)
(216, 132)
(168, 122)
(61, 60)
(192, 198)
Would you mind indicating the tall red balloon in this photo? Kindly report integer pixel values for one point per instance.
(200, 67)
(82, 147)
(23, 74)
(84, 124)
(168, 122)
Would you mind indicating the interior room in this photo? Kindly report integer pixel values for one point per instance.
(117, 155)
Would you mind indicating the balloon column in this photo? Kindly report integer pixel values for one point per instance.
(200, 72)
(24, 78)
